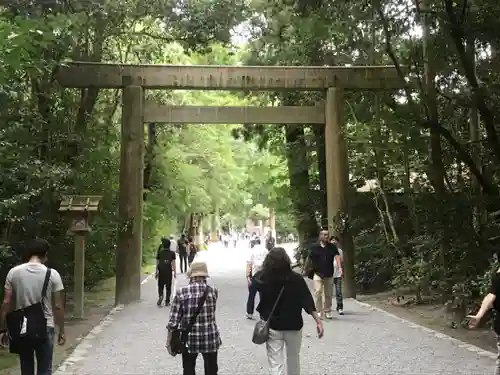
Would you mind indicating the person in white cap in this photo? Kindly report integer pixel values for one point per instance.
(203, 336)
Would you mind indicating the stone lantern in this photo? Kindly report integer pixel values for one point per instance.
(79, 209)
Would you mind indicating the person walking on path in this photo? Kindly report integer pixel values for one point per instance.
(491, 301)
(183, 253)
(254, 263)
(165, 270)
(322, 257)
(337, 275)
(192, 250)
(270, 240)
(173, 244)
(204, 336)
(36, 292)
(277, 283)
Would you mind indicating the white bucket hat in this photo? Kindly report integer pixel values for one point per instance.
(198, 269)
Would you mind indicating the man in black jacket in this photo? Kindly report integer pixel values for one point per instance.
(165, 269)
(322, 257)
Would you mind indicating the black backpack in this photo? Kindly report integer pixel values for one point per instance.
(28, 326)
(165, 261)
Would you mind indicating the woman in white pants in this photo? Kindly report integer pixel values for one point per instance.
(285, 333)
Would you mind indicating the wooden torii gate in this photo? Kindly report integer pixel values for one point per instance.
(134, 79)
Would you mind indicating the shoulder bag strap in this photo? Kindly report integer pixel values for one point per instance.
(45, 284)
(201, 302)
(276, 303)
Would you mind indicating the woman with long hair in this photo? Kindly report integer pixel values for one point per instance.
(285, 328)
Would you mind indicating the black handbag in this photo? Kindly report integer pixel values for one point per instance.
(28, 326)
(261, 330)
(180, 336)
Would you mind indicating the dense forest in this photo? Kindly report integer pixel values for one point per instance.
(424, 161)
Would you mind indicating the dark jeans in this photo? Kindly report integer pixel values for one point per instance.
(209, 360)
(43, 352)
(252, 292)
(165, 282)
(191, 258)
(183, 261)
(337, 281)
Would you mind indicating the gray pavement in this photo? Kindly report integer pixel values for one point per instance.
(364, 341)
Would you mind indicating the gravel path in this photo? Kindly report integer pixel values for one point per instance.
(364, 341)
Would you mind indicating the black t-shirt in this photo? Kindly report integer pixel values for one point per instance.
(322, 259)
(495, 289)
(165, 260)
(295, 298)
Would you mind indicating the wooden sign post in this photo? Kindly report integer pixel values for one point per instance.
(79, 208)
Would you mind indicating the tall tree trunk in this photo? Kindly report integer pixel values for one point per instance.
(437, 169)
(475, 141)
(149, 159)
(376, 135)
(298, 169)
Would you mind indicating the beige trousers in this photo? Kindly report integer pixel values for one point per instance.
(323, 293)
(284, 347)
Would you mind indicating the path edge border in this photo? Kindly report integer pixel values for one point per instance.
(81, 349)
(440, 335)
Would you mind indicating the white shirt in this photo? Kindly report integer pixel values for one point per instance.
(173, 245)
(257, 256)
(336, 268)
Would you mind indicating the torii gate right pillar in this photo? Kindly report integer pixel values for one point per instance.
(337, 182)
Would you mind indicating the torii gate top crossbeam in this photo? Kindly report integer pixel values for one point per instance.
(213, 77)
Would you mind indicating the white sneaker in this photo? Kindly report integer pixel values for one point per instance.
(328, 315)
(249, 316)
(341, 312)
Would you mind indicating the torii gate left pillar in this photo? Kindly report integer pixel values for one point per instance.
(337, 182)
(129, 249)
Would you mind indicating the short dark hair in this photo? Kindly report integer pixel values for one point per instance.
(37, 247)
(257, 241)
(165, 242)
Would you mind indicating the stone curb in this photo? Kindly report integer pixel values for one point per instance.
(81, 350)
(459, 343)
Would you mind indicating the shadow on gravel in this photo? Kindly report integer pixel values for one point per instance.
(356, 313)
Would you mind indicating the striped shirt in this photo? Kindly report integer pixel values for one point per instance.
(205, 336)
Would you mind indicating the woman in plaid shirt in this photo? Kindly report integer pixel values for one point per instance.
(204, 337)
